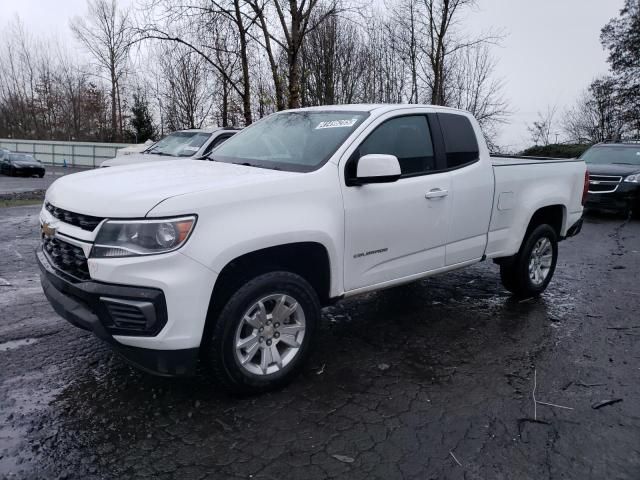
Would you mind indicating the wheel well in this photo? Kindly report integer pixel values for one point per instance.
(552, 215)
(310, 260)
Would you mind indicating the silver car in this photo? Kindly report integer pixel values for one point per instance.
(193, 144)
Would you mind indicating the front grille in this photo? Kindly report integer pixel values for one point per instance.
(66, 257)
(604, 183)
(85, 222)
(128, 317)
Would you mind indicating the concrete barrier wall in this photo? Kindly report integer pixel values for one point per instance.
(74, 154)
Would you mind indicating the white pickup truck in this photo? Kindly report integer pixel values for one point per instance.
(230, 261)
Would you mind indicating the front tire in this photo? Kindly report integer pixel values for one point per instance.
(263, 334)
(529, 272)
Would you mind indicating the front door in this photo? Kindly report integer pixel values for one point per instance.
(396, 230)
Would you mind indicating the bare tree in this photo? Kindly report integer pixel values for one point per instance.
(187, 97)
(597, 116)
(333, 62)
(443, 41)
(406, 29)
(472, 86)
(105, 32)
(385, 81)
(295, 19)
(540, 130)
(44, 94)
(216, 30)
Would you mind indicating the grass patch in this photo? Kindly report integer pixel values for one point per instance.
(4, 203)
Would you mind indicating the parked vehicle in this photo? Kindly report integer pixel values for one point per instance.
(192, 144)
(135, 148)
(231, 260)
(614, 177)
(21, 164)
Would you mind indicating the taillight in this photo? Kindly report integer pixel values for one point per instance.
(585, 190)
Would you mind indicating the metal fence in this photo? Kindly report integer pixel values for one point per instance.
(72, 154)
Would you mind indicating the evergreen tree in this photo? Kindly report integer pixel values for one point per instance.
(142, 127)
(621, 37)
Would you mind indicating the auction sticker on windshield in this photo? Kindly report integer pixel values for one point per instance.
(337, 123)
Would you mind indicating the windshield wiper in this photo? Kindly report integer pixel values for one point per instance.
(160, 153)
(622, 163)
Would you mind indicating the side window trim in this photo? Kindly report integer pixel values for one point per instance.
(216, 141)
(436, 140)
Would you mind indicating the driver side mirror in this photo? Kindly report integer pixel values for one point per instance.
(377, 168)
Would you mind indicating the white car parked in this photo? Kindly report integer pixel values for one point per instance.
(194, 144)
(230, 261)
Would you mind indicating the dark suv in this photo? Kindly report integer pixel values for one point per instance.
(614, 177)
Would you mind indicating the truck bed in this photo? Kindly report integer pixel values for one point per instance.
(523, 185)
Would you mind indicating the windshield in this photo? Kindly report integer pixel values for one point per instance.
(180, 144)
(619, 154)
(20, 157)
(294, 141)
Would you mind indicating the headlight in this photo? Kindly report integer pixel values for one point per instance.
(635, 178)
(131, 238)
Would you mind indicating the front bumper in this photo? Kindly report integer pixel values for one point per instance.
(29, 171)
(626, 196)
(90, 305)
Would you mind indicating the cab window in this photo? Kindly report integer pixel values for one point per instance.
(409, 139)
(460, 143)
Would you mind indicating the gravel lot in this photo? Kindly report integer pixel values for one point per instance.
(430, 380)
(13, 185)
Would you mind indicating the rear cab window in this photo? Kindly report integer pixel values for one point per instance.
(460, 142)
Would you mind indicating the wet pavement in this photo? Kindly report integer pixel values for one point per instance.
(431, 380)
(15, 185)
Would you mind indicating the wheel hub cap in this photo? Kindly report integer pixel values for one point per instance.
(540, 261)
(270, 334)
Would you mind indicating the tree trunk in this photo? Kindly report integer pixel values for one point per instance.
(114, 116)
(246, 81)
(121, 130)
(292, 55)
(277, 82)
(225, 103)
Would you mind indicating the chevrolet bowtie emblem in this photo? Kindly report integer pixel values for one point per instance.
(48, 230)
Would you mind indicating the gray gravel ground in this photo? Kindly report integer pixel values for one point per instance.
(431, 380)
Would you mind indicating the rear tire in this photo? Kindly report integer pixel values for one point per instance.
(529, 272)
(263, 334)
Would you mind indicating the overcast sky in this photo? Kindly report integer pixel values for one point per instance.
(550, 54)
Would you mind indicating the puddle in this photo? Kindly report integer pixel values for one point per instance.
(13, 344)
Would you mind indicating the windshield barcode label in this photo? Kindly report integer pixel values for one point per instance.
(337, 123)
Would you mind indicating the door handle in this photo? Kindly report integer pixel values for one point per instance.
(436, 193)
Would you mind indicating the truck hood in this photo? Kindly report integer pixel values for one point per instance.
(136, 158)
(132, 191)
(615, 169)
